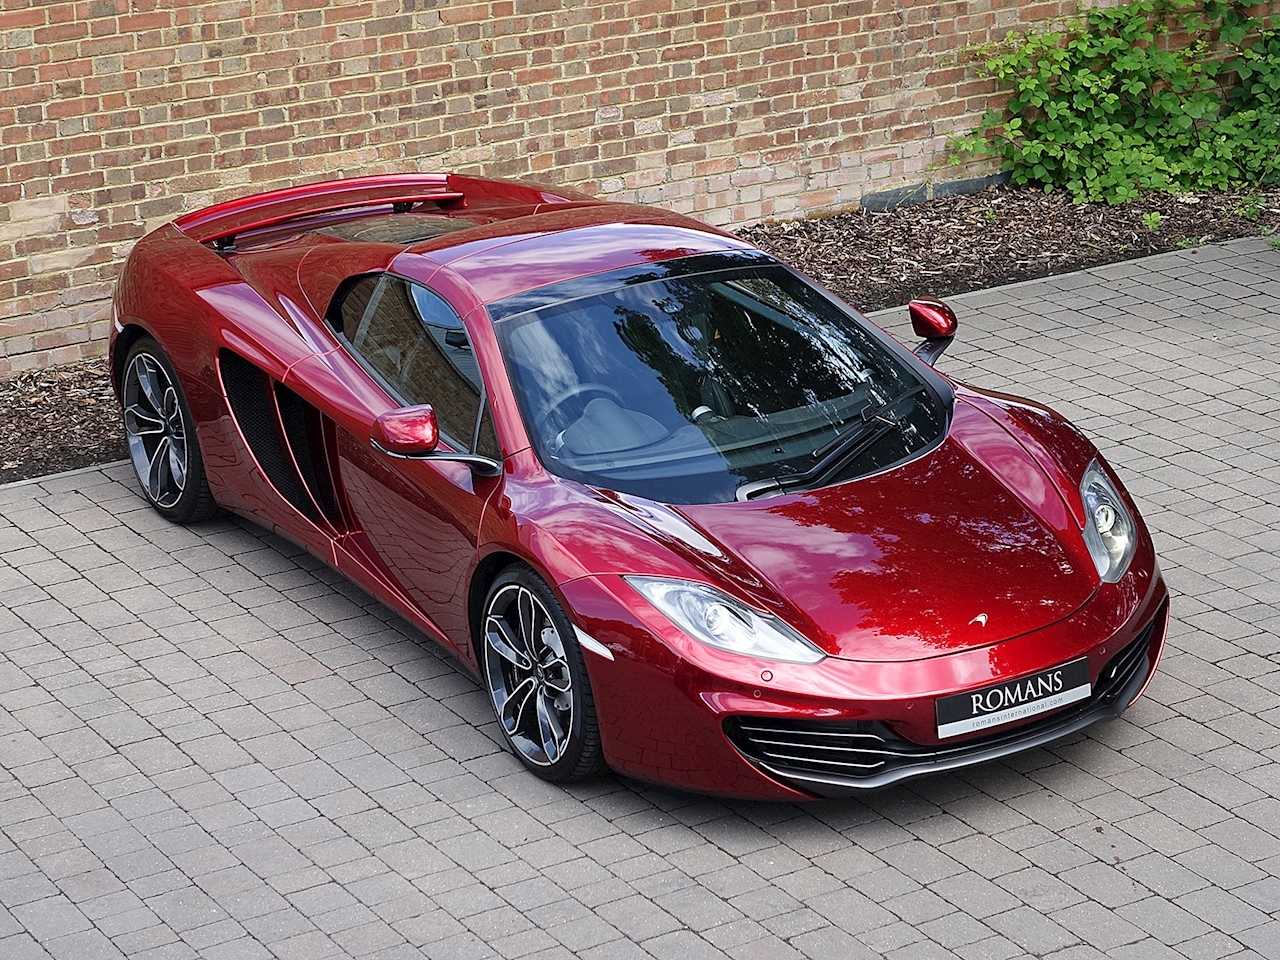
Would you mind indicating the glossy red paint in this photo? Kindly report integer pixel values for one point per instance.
(410, 431)
(328, 266)
(245, 214)
(659, 674)
(932, 319)
(577, 242)
(421, 519)
(896, 566)
(1059, 448)
(887, 574)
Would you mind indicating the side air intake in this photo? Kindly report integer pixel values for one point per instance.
(288, 437)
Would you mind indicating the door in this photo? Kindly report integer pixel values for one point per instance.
(421, 516)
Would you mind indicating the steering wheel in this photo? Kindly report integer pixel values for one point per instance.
(567, 394)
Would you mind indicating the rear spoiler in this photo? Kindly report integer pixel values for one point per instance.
(220, 223)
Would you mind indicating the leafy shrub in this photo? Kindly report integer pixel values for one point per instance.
(1107, 108)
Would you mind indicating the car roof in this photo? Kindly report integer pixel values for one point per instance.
(512, 256)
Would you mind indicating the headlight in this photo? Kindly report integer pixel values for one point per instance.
(1108, 528)
(719, 621)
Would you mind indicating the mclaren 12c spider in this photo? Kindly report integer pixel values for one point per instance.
(681, 512)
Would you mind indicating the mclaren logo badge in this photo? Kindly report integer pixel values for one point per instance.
(980, 620)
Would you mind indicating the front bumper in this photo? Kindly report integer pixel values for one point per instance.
(833, 758)
(675, 712)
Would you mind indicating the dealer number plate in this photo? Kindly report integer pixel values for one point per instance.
(1015, 700)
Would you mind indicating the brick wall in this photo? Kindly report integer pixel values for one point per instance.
(117, 115)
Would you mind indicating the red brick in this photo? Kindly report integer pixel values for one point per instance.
(732, 110)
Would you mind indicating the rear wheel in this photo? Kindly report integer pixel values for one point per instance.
(161, 434)
(536, 679)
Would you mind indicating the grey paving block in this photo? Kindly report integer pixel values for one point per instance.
(211, 745)
(1163, 920)
(1031, 930)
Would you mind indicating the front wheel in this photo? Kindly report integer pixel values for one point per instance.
(162, 439)
(536, 679)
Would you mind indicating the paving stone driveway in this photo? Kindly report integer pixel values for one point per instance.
(212, 746)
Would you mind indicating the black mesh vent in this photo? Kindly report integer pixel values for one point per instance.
(253, 405)
(305, 428)
(1121, 668)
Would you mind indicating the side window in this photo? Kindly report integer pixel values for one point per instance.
(487, 438)
(411, 340)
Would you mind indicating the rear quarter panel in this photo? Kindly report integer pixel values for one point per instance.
(193, 303)
(156, 294)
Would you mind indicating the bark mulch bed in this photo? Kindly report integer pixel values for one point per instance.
(1002, 235)
(66, 417)
(58, 419)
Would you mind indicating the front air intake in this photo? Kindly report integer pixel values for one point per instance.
(823, 756)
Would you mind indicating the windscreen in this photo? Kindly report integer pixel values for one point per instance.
(704, 387)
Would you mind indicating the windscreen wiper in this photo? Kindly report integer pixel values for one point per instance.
(875, 420)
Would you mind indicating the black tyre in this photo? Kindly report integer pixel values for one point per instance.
(162, 438)
(536, 679)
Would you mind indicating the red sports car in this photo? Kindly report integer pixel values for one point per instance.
(682, 512)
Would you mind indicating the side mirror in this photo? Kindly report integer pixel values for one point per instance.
(407, 432)
(412, 433)
(936, 323)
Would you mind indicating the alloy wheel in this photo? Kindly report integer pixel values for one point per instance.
(155, 430)
(528, 675)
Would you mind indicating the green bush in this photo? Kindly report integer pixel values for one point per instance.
(1106, 109)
